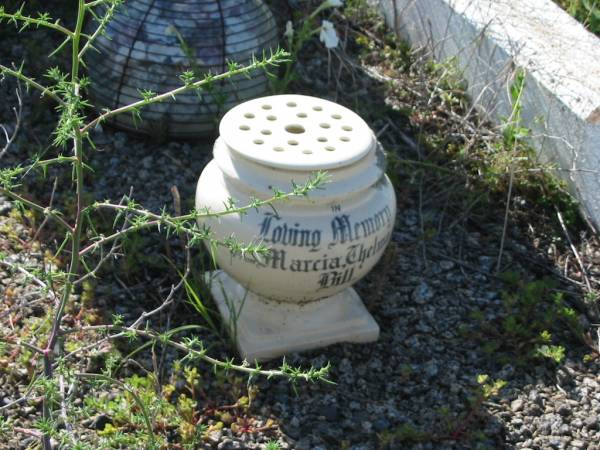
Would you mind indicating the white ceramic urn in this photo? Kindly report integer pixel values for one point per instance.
(300, 296)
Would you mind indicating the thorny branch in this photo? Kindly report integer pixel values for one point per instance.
(18, 74)
(235, 69)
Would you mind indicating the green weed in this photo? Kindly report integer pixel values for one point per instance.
(272, 445)
(586, 11)
(197, 294)
(533, 315)
(450, 427)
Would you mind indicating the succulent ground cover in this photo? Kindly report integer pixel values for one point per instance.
(486, 297)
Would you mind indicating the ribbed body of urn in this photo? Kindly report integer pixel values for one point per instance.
(320, 244)
(150, 43)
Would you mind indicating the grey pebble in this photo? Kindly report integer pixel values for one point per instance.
(381, 424)
(564, 410)
(517, 405)
(422, 293)
(330, 412)
(591, 422)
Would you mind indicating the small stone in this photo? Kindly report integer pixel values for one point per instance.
(28, 410)
(431, 369)
(516, 405)
(545, 428)
(225, 443)
(517, 422)
(330, 412)
(422, 293)
(147, 162)
(381, 425)
(591, 422)
(555, 443)
(534, 411)
(564, 377)
(446, 265)
(99, 422)
(354, 405)
(215, 436)
(564, 410)
(577, 423)
(577, 444)
(5, 206)
(486, 263)
(535, 397)
(507, 372)
(303, 444)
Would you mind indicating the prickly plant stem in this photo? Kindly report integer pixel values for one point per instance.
(27, 20)
(50, 349)
(274, 59)
(31, 83)
(159, 220)
(46, 211)
(95, 3)
(89, 44)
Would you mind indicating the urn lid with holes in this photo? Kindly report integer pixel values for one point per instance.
(296, 133)
(298, 296)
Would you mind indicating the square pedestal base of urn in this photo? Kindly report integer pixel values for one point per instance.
(265, 329)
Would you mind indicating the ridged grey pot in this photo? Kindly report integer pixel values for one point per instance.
(142, 49)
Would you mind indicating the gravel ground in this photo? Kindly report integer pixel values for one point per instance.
(436, 295)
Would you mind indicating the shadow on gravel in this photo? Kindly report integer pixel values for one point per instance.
(460, 362)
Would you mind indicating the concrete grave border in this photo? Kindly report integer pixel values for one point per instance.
(489, 39)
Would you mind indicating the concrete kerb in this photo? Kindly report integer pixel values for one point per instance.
(489, 39)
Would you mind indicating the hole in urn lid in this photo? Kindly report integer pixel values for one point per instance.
(301, 115)
(258, 141)
(244, 127)
(317, 108)
(266, 132)
(294, 128)
(291, 104)
(322, 139)
(336, 116)
(293, 142)
(307, 152)
(249, 116)
(266, 106)
(324, 125)
(271, 118)
(329, 148)
(345, 139)
(347, 128)
(278, 149)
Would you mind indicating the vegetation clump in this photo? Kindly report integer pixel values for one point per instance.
(586, 11)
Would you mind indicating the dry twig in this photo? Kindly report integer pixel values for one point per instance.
(18, 112)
